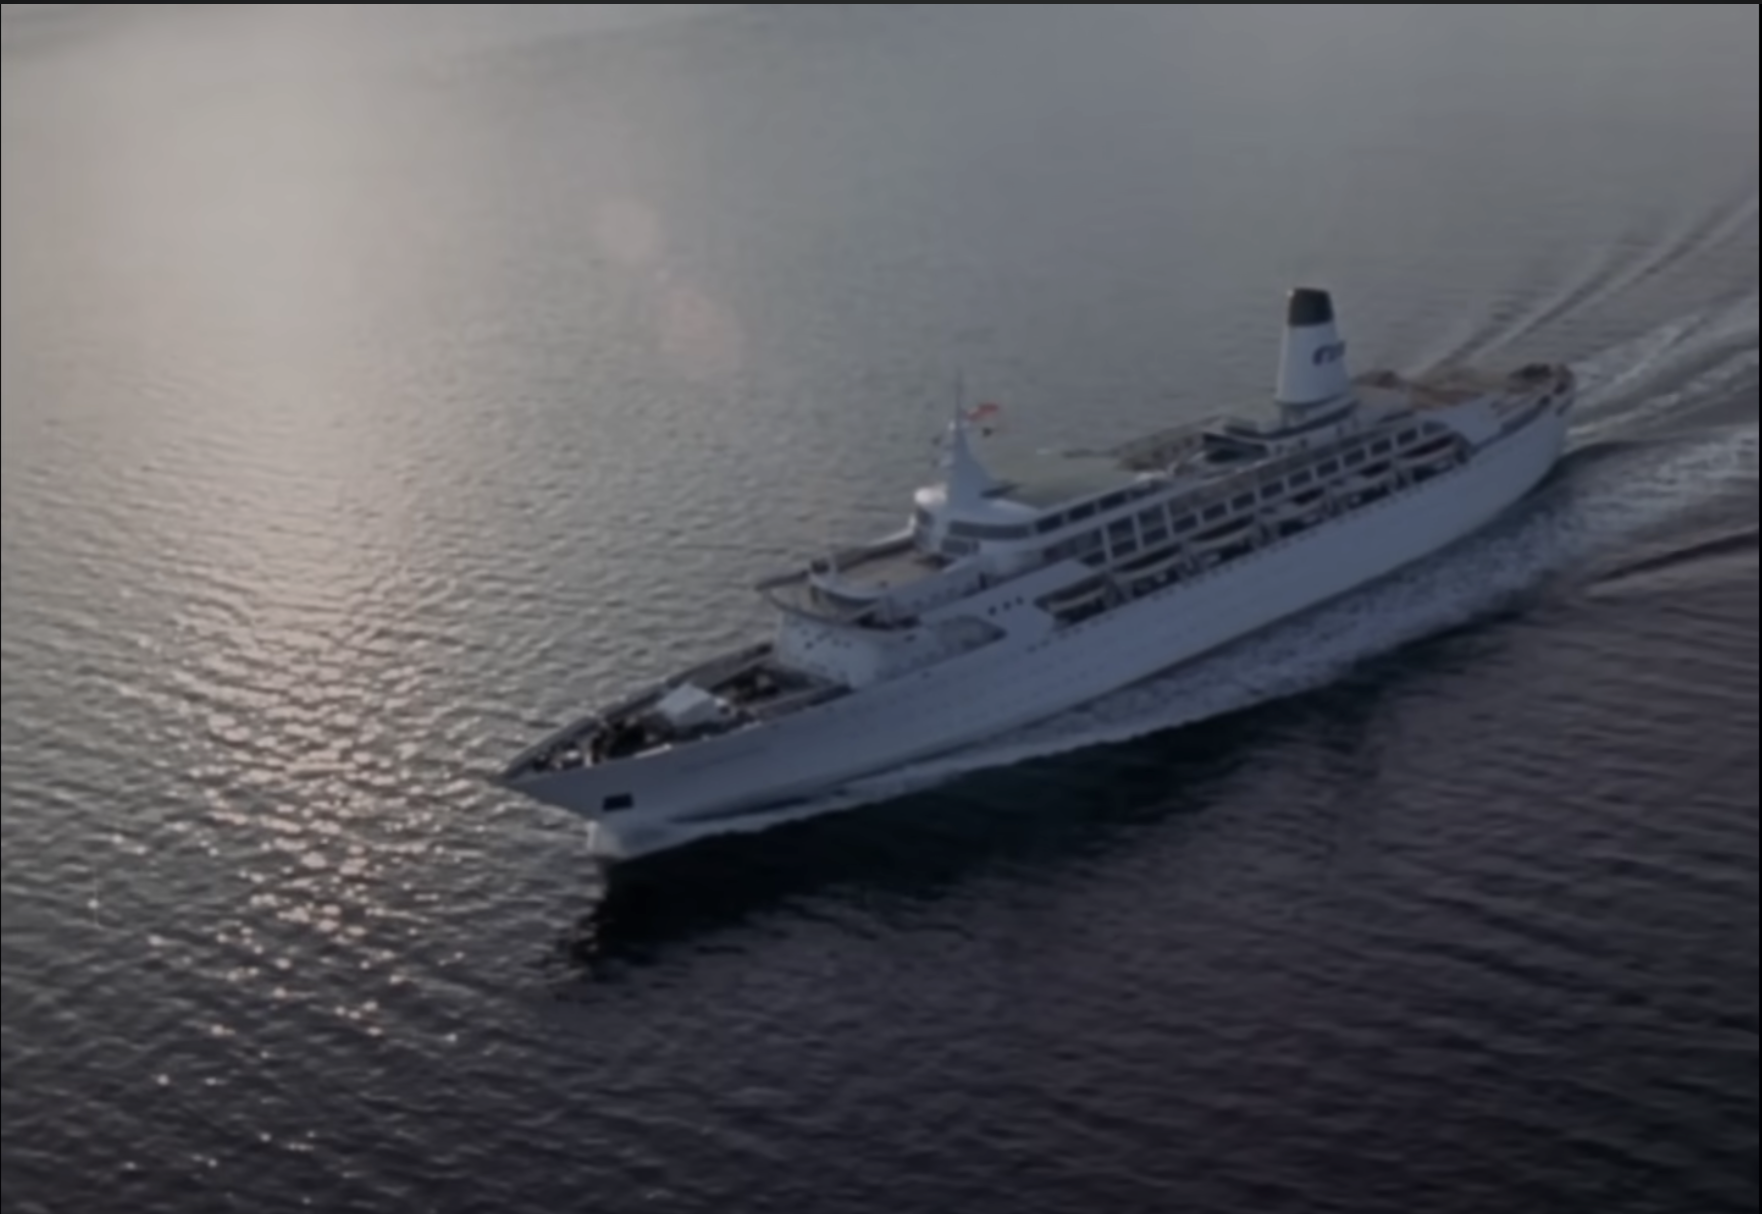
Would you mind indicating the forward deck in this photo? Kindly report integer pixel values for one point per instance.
(1041, 480)
(887, 569)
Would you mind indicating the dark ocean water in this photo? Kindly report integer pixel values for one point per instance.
(382, 385)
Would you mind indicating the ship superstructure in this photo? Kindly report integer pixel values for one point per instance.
(1014, 593)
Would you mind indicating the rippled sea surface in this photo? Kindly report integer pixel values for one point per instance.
(384, 384)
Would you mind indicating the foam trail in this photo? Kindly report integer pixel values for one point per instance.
(1595, 281)
(1602, 375)
(1723, 379)
(1737, 323)
(1702, 354)
(1609, 272)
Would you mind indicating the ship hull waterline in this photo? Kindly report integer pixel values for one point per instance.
(1012, 685)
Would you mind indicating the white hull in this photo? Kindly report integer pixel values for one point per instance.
(1010, 684)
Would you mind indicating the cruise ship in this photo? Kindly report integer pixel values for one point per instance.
(1009, 595)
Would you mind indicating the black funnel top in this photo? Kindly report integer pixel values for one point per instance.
(1309, 307)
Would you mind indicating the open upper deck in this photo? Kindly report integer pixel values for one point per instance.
(1041, 480)
(1449, 387)
(887, 567)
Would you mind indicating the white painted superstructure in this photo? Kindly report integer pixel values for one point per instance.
(1009, 598)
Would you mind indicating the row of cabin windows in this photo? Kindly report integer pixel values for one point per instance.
(1083, 510)
(1153, 526)
(1156, 521)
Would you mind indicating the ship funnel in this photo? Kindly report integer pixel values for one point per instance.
(1312, 360)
